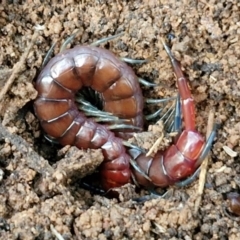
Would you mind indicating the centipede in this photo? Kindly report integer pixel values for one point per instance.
(119, 91)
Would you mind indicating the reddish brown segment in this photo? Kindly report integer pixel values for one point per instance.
(67, 73)
(121, 95)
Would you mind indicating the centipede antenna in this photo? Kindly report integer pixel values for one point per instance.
(137, 168)
(133, 61)
(103, 40)
(68, 40)
(156, 101)
(146, 83)
(133, 149)
(123, 126)
(207, 146)
(48, 55)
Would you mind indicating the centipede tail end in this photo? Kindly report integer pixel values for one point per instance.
(182, 158)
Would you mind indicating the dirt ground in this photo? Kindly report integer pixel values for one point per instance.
(40, 197)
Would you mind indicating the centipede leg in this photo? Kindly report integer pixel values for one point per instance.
(155, 114)
(68, 40)
(146, 83)
(156, 101)
(119, 126)
(103, 40)
(63, 47)
(168, 118)
(98, 42)
(115, 123)
(139, 61)
(137, 168)
(177, 118)
(133, 61)
(48, 55)
(133, 150)
(207, 146)
(158, 112)
(51, 139)
(154, 195)
(93, 111)
(172, 118)
(189, 180)
(86, 183)
(173, 122)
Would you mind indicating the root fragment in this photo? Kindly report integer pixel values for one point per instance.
(204, 166)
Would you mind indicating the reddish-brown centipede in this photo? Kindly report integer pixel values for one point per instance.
(118, 88)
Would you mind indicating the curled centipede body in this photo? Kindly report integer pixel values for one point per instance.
(118, 88)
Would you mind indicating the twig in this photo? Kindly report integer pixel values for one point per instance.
(17, 67)
(204, 166)
(56, 233)
(156, 144)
